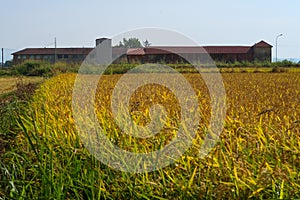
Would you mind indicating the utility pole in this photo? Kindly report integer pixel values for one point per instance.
(2, 53)
(277, 44)
(55, 53)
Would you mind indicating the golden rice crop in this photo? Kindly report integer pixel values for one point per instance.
(257, 154)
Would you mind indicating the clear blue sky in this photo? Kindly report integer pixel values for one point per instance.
(77, 23)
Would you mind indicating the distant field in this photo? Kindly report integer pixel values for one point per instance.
(257, 70)
(8, 84)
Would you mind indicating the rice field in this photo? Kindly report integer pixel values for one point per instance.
(256, 156)
(9, 84)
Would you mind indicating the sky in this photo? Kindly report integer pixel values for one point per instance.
(77, 23)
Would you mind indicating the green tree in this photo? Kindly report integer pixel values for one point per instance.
(130, 43)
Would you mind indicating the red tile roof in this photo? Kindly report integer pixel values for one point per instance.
(136, 51)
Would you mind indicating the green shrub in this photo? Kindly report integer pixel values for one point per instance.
(5, 72)
(42, 68)
(34, 68)
(63, 67)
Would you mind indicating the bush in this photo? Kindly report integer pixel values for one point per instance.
(4, 72)
(34, 68)
(42, 68)
(63, 67)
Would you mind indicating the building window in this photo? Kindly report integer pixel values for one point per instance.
(59, 56)
(81, 56)
(38, 57)
(45, 57)
(66, 56)
(19, 57)
(31, 57)
(24, 57)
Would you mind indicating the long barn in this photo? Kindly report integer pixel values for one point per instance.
(260, 51)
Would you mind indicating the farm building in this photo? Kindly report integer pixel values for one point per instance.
(260, 51)
(49, 54)
(175, 54)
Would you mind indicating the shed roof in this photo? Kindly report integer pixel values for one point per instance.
(227, 49)
(68, 51)
(49, 51)
(189, 50)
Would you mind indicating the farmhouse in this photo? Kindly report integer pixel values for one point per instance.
(260, 51)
